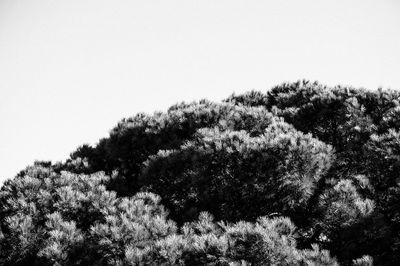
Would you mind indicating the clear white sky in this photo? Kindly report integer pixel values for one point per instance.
(70, 70)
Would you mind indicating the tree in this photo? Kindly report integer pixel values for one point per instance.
(320, 161)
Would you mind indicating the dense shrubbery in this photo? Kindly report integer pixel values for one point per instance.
(301, 175)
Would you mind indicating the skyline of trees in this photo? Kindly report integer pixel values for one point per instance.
(303, 174)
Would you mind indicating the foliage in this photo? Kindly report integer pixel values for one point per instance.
(291, 176)
(71, 219)
(236, 176)
(362, 127)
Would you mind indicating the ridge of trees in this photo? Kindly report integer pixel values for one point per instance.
(304, 174)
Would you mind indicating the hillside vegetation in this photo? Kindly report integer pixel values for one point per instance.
(303, 174)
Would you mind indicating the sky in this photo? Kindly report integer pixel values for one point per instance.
(71, 69)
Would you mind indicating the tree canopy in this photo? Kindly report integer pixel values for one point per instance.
(303, 174)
